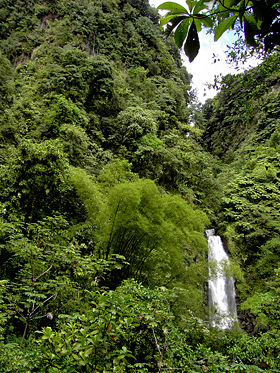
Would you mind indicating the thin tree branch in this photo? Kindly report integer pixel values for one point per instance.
(158, 348)
(45, 301)
(214, 13)
(39, 317)
(24, 333)
(42, 274)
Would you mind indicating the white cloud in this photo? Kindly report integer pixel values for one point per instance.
(204, 69)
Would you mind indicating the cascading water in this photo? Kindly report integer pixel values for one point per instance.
(221, 290)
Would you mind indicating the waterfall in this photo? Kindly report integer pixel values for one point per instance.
(221, 290)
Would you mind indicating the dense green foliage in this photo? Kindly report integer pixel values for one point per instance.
(106, 190)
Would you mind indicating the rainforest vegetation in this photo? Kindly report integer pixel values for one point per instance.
(107, 188)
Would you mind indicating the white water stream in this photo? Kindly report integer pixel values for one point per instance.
(221, 290)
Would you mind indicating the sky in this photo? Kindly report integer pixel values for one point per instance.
(203, 67)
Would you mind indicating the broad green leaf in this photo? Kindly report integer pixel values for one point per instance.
(242, 6)
(220, 7)
(181, 32)
(227, 3)
(190, 4)
(167, 18)
(252, 21)
(174, 23)
(173, 7)
(197, 24)
(224, 25)
(207, 21)
(259, 24)
(250, 32)
(47, 331)
(241, 10)
(258, 12)
(192, 45)
(199, 6)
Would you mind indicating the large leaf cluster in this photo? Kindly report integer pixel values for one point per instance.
(258, 20)
(188, 23)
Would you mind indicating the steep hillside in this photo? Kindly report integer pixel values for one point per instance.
(243, 130)
(99, 77)
(245, 113)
